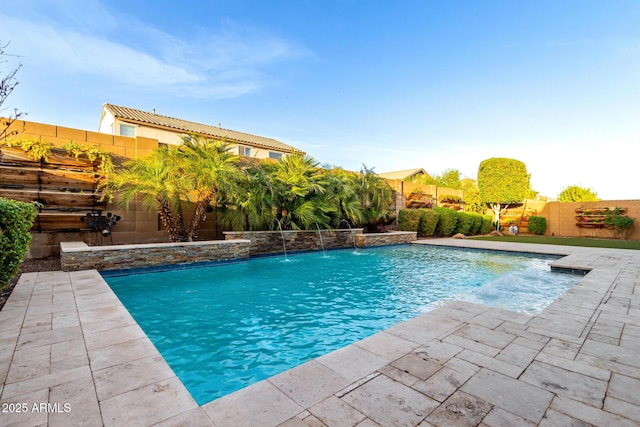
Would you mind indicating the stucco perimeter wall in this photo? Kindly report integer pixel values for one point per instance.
(383, 239)
(137, 225)
(79, 256)
(121, 146)
(270, 242)
(561, 218)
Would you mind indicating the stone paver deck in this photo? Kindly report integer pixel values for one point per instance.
(70, 354)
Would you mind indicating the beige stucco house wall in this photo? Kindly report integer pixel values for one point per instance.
(124, 121)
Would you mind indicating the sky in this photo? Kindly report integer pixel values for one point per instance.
(433, 84)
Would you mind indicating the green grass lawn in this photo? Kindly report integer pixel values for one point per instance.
(566, 241)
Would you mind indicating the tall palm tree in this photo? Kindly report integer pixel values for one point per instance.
(174, 180)
(212, 169)
(161, 188)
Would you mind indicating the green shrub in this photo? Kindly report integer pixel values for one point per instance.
(16, 219)
(465, 222)
(537, 225)
(447, 221)
(408, 219)
(477, 223)
(428, 222)
(621, 223)
(487, 223)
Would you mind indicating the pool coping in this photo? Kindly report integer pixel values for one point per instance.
(67, 339)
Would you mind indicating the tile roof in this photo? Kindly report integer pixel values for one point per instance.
(403, 174)
(159, 121)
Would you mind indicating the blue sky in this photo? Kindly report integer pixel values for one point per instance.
(436, 84)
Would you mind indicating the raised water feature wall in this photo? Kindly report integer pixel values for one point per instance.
(79, 256)
(270, 242)
(238, 245)
(383, 239)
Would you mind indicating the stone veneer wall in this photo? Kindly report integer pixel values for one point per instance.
(383, 239)
(79, 256)
(270, 242)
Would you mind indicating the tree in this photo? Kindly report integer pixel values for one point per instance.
(376, 195)
(450, 178)
(502, 182)
(343, 194)
(472, 201)
(251, 207)
(574, 193)
(175, 180)
(298, 184)
(7, 85)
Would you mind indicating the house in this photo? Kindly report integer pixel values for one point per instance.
(404, 175)
(124, 121)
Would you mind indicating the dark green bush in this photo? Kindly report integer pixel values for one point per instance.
(487, 223)
(16, 219)
(537, 225)
(465, 222)
(476, 225)
(428, 222)
(447, 221)
(409, 219)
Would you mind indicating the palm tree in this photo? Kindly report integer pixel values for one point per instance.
(342, 193)
(251, 207)
(298, 183)
(161, 188)
(211, 168)
(192, 175)
(376, 195)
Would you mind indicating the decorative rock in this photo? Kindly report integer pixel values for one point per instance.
(459, 236)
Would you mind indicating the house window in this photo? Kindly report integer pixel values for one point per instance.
(275, 155)
(128, 130)
(245, 151)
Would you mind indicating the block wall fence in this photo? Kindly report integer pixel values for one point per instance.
(136, 225)
(139, 226)
(561, 218)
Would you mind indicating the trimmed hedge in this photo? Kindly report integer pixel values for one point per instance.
(428, 222)
(465, 222)
(487, 223)
(477, 223)
(409, 219)
(443, 222)
(16, 219)
(447, 222)
(423, 221)
(537, 225)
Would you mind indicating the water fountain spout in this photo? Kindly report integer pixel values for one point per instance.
(353, 237)
(284, 247)
(321, 242)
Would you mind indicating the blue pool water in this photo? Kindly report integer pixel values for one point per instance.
(222, 328)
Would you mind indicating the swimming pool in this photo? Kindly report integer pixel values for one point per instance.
(225, 327)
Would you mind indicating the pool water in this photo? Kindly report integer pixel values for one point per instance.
(225, 327)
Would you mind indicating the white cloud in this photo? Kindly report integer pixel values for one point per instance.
(225, 64)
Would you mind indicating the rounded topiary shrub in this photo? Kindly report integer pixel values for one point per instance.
(408, 219)
(428, 222)
(16, 219)
(537, 224)
(447, 221)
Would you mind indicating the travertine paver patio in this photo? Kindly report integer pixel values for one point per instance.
(70, 354)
